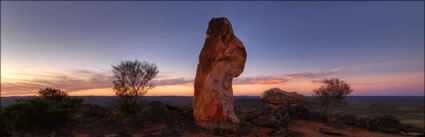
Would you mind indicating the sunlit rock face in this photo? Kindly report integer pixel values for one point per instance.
(221, 59)
(277, 96)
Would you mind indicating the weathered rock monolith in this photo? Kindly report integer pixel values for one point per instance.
(221, 59)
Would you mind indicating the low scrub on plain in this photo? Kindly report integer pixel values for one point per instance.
(40, 112)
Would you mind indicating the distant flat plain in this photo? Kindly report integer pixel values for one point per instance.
(407, 109)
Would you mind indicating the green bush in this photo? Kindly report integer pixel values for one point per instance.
(39, 112)
(34, 112)
(52, 94)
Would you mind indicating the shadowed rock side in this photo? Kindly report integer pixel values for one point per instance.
(221, 59)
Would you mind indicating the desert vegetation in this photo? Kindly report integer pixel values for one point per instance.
(49, 109)
(133, 80)
(52, 95)
(173, 117)
(332, 93)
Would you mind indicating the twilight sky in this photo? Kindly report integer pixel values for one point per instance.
(376, 47)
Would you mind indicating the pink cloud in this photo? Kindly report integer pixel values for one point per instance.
(335, 70)
(75, 80)
(363, 84)
(350, 83)
(316, 82)
(285, 78)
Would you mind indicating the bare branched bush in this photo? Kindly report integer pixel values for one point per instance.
(132, 79)
(332, 93)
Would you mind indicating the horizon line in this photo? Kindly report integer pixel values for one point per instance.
(243, 96)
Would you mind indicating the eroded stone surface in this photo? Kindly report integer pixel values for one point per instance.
(221, 59)
(279, 97)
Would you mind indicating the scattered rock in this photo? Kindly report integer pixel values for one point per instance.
(271, 117)
(277, 96)
(221, 59)
(266, 121)
(300, 112)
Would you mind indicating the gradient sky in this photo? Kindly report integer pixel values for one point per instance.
(376, 47)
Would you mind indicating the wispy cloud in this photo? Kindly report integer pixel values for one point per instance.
(74, 80)
(260, 80)
(172, 81)
(350, 83)
(363, 84)
(316, 81)
(77, 80)
(285, 78)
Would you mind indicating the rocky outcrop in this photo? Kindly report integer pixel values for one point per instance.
(221, 59)
(282, 116)
(277, 96)
(271, 117)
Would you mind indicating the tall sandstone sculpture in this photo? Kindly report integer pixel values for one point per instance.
(221, 59)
